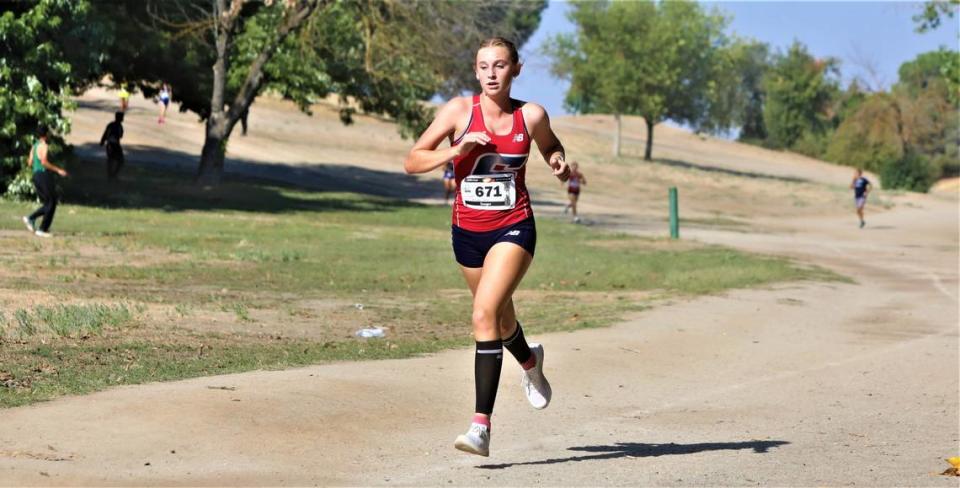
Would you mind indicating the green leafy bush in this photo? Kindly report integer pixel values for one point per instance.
(912, 172)
(49, 52)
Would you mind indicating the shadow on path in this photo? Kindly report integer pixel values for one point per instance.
(733, 172)
(101, 105)
(636, 450)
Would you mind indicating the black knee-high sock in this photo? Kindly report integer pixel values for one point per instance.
(517, 345)
(486, 374)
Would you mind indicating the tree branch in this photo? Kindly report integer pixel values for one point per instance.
(297, 11)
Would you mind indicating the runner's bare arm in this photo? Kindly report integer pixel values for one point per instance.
(425, 157)
(538, 123)
(42, 154)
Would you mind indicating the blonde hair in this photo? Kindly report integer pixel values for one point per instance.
(502, 42)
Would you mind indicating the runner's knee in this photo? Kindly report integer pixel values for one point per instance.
(485, 319)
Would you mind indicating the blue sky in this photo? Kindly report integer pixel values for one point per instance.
(861, 34)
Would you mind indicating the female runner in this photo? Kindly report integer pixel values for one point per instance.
(494, 235)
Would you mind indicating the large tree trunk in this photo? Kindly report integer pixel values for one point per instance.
(221, 121)
(616, 137)
(648, 153)
(214, 151)
(210, 171)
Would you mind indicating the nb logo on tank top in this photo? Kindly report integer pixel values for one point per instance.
(518, 138)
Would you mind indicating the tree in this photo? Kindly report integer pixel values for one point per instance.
(942, 64)
(379, 56)
(747, 62)
(933, 13)
(512, 19)
(800, 89)
(224, 23)
(870, 136)
(43, 62)
(659, 60)
(876, 138)
(927, 93)
(910, 135)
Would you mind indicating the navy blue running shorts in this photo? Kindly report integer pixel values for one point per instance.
(471, 248)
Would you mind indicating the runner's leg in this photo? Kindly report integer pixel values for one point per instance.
(41, 188)
(492, 286)
(50, 204)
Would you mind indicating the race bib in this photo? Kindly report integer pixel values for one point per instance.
(489, 192)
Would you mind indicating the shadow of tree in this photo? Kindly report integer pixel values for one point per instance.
(634, 449)
(167, 188)
(310, 176)
(101, 105)
(728, 171)
(161, 178)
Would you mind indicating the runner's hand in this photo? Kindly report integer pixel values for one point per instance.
(470, 140)
(63, 173)
(560, 168)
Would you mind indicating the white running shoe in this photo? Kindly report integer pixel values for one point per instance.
(534, 385)
(28, 223)
(41, 233)
(475, 441)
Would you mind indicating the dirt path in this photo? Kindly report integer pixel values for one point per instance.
(803, 384)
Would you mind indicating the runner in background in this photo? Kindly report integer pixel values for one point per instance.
(124, 96)
(449, 182)
(164, 97)
(573, 190)
(861, 188)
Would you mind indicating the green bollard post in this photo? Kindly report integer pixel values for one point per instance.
(674, 214)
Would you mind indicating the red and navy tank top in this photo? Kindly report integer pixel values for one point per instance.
(504, 154)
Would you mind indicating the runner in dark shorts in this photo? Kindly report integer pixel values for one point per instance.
(449, 182)
(164, 98)
(493, 231)
(861, 188)
(573, 189)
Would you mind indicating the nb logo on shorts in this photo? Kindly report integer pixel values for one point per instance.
(513, 233)
(518, 138)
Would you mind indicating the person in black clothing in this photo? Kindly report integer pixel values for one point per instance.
(111, 137)
(243, 121)
(861, 188)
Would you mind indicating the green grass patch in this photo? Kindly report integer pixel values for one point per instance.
(66, 320)
(231, 267)
(42, 372)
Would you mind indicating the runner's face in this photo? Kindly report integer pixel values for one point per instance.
(494, 70)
